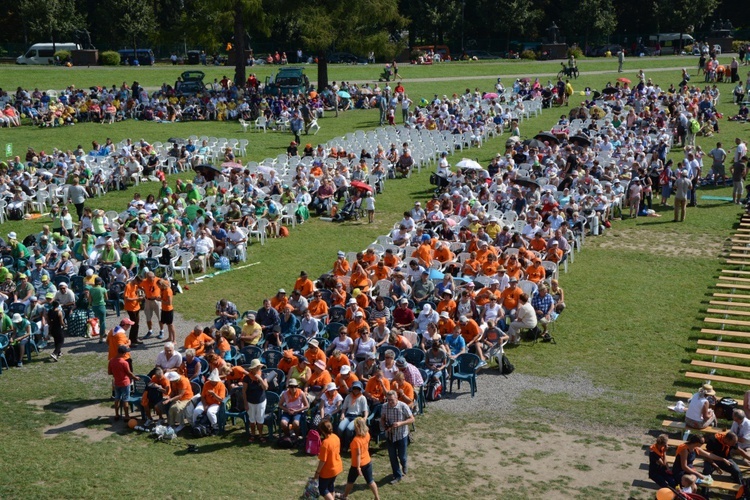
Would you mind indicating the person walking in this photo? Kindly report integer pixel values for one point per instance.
(739, 172)
(133, 307)
(329, 460)
(56, 322)
(395, 418)
(682, 187)
(620, 59)
(98, 300)
(77, 196)
(361, 462)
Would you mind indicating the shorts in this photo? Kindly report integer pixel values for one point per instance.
(737, 188)
(325, 485)
(122, 393)
(366, 473)
(256, 413)
(285, 417)
(718, 169)
(167, 317)
(150, 308)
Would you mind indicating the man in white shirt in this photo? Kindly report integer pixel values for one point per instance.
(740, 150)
(169, 359)
(741, 427)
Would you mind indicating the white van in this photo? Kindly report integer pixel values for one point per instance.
(44, 53)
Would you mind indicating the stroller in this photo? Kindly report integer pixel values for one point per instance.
(546, 98)
(385, 76)
(351, 210)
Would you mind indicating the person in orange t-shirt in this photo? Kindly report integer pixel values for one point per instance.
(233, 376)
(338, 295)
(443, 252)
(304, 284)
(380, 272)
(510, 296)
(483, 296)
(538, 243)
(180, 394)
(329, 460)
(390, 259)
(424, 252)
(471, 266)
(554, 254)
(319, 379)
(445, 324)
(341, 267)
(361, 462)
(119, 336)
(363, 301)
(167, 310)
(280, 300)
(404, 390)
(359, 278)
(490, 266)
(345, 379)
(357, 324)
(314, 353)
(377, 386)
(536, 272)
(317, 306)
(447, 304)
(198, 340)
(154, 393)
(133, 306)
(212, 395)
(513, 267)
(288, 360)
(336, 361)
(370, 258)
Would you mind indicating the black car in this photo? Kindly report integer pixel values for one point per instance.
(481, 54)
(345, 58)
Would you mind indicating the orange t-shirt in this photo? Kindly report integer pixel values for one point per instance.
(391, 260)
(166, 299)
(446, 326)
(318, 307)
(369, 259)
(375, 390)
(163, 381)
(471, 267)
(238, 374)
(363, 301)
(336, 362)
(446, 305)
(554, 255)
(150, 287)
(408, 391)
(286, 364)
(380, 273)
(470, 331)
(116, 341)
(483, 296)
(181, 384)
(535, 273)
(330, 455)
(279, 304)
(360, 447)
(219, 388)
(318, 355)
(359, 280)
(194, 341)
(341, 267)
(338, 296)
(513, 270)
(320, 379)
(131, 292)
(489, 268)
(222, 344)
(538, 244)
(352, 329)
(510, 297)
(305, 286)
(345, 382)
(424, 253)
(443, 254)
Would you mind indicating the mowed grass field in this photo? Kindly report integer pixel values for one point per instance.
(636, 298)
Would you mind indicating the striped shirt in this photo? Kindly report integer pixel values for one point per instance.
(394, 414)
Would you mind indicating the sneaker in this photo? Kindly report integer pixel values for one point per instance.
(148, 335)
(20, 364)
(148, 423)
(482, 364)
(161, 335)
(179, 428)
(53, 356)
(396, 480)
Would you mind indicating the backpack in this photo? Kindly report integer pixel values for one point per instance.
(202, 427)
(434, 389)
(15, 214)
(312, 443)
(694, 125)
(222, 263)
(506, 368)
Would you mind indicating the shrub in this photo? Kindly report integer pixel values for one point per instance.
(736, 44)
(575, 52)
(416, 54)
(688, 49)
(109, 58)
(528, 54)
(64, 55)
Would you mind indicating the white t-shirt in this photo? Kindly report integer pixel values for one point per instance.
(695, 407)
(743, 432)
(174, 362)
(344, 345)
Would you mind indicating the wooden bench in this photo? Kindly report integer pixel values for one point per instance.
(722, 321)
(717, 378)
(738, 255)
(722, 354)
(738, 262)
(678, 424)
(721, 366)
(734, 278)
(728, 311)
(728, 333)
(732, 285)
(731, 295)
(721, 343)
(726, 303)
(735, 271)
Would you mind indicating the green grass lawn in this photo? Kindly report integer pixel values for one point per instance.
(635, 300)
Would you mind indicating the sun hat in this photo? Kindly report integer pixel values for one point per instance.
(293, 382)
(313, 343)
(445, 314)
(357, 385)
(352, 301)
(358, 314)
(330, 387)
(255, 364)
(320, 364)
(345, 370)
(173, 376)
(707, 389)
(401, 362)
(214, 375)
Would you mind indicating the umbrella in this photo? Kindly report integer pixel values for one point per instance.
(208, 171)
(365, 91)
(581, 139)
(266, 170)
(526, 182)
(490, 95)
(610, 90)
(534, 143)
(177, 140)
(233, 165)
(470, 164)
(623, 80)
(511, 141)
(361, 186)
(547, 136)
(344, 94)
(436, 275)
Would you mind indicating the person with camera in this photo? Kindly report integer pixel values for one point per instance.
(395, 418)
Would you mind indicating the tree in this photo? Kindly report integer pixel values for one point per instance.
(589, 18)
(358, 26)
(50, 19)
(690, 14)
(518, 16)
(131, 19)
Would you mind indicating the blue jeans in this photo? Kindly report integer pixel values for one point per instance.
(397, 454)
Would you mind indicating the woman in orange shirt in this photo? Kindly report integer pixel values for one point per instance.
(361, 462)
(359, 278)
(167, 310)
(329, 460)
(341, 266)
(490, 266)
(155, 391)
(212, 394)
(513, 268)
(338, 295)
(471, 265)
(280, 300)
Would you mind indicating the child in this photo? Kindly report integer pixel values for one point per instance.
(369, 205)
(120, 370)
(391, 116)
(634, 195)
(687, 484)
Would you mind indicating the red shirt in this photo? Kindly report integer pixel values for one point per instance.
(119, 368)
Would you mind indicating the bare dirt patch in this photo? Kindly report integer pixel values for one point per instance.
(83, 421)
(669, 243)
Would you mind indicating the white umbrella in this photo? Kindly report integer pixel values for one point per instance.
(467, 163)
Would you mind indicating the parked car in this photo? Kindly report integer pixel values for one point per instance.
(603, 49)
(190, 83)
(481, 54)
(346, 58)
(145, 57)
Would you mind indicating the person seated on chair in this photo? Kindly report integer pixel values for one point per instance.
(252, 332)
(403, 317)
(544, 306)
(318, 307)
(699, 414)
(492, 336)
(377, 387)
(191, 365)
(212, 395)
(404, 163)
(345, 379)
(293, 404)
(198, 341)
(180, 394)
(20, 335)
(722, 445)
(318, 380)
(330, 404)
(155, 391)
(525, 318)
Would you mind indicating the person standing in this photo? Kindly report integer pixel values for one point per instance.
(395, 418)
(119, 368)
(77, 195)
(254, 390)
(167, 310)
(133, 307)
(620, 59)
(738, 171)
(361, 462)
(719, 157)
(98, 300)
(329, 460)
(56, 322)
(682, 187)
(150, 287)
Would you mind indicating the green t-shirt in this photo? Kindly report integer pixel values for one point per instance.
(97, 294)
(6, 324)
(128, 259)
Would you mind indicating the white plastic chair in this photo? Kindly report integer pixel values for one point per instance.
(261, 122)
(185, 260)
